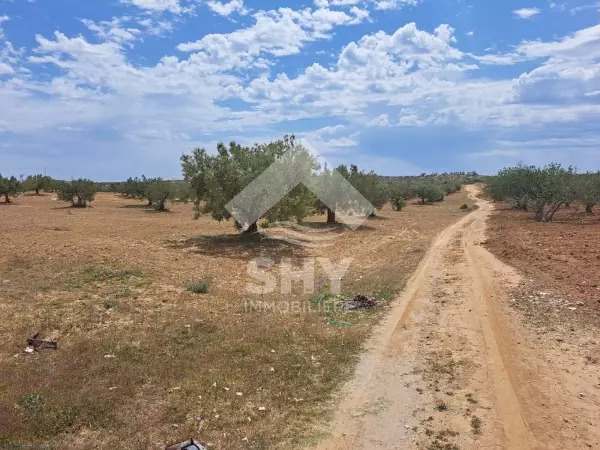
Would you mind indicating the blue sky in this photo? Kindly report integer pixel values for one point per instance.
(117, 88)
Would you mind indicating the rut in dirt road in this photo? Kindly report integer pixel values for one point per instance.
(445, 370)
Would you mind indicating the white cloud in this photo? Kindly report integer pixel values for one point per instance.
(394, 4)
(344, 2)
(526, 13)
(380, 121)
(9, 58)
(3, 19)
(341, 142)
(225, 9)
(329, 130)
(581, 44)
(5, 69)
(113, 30)
(173, 6)
(577, 9)
(559, 6)
(276, 33)
(470, 33)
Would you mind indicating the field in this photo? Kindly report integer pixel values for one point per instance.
(564, 255)
(142, 362)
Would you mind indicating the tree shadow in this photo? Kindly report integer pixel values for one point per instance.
(74, 208)
(142, 206)
(378, 217)
(155, 211)
(239, 246)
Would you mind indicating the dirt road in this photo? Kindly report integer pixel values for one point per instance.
(452, 368)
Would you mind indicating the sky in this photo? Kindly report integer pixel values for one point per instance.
(108, 89)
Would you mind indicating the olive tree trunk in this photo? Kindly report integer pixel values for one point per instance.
(330, 216)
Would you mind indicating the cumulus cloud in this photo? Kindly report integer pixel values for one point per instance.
(225, 9)
(526, 13)
(277, 33)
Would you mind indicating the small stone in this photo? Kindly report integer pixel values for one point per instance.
(109, 356)
(29, 349)
(262, 408)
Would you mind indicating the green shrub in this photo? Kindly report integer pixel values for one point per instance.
(200, 287)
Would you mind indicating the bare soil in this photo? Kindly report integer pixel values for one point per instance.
(141, 362)
(564, 254)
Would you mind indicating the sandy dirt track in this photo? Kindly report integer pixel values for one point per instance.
(452, 368)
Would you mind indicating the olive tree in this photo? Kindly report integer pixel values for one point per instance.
(399, 193)
(158, 192)
(216, 180)
(511, 184)
(9, 187)
(368, 184)
(428, 192)
(37, 183)
(548, 188)
(544, 189)
(587, 190)
(78, 192)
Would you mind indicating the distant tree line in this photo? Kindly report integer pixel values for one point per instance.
(544, 190)
(211, 181)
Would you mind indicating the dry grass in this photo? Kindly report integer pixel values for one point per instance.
(142, 362)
